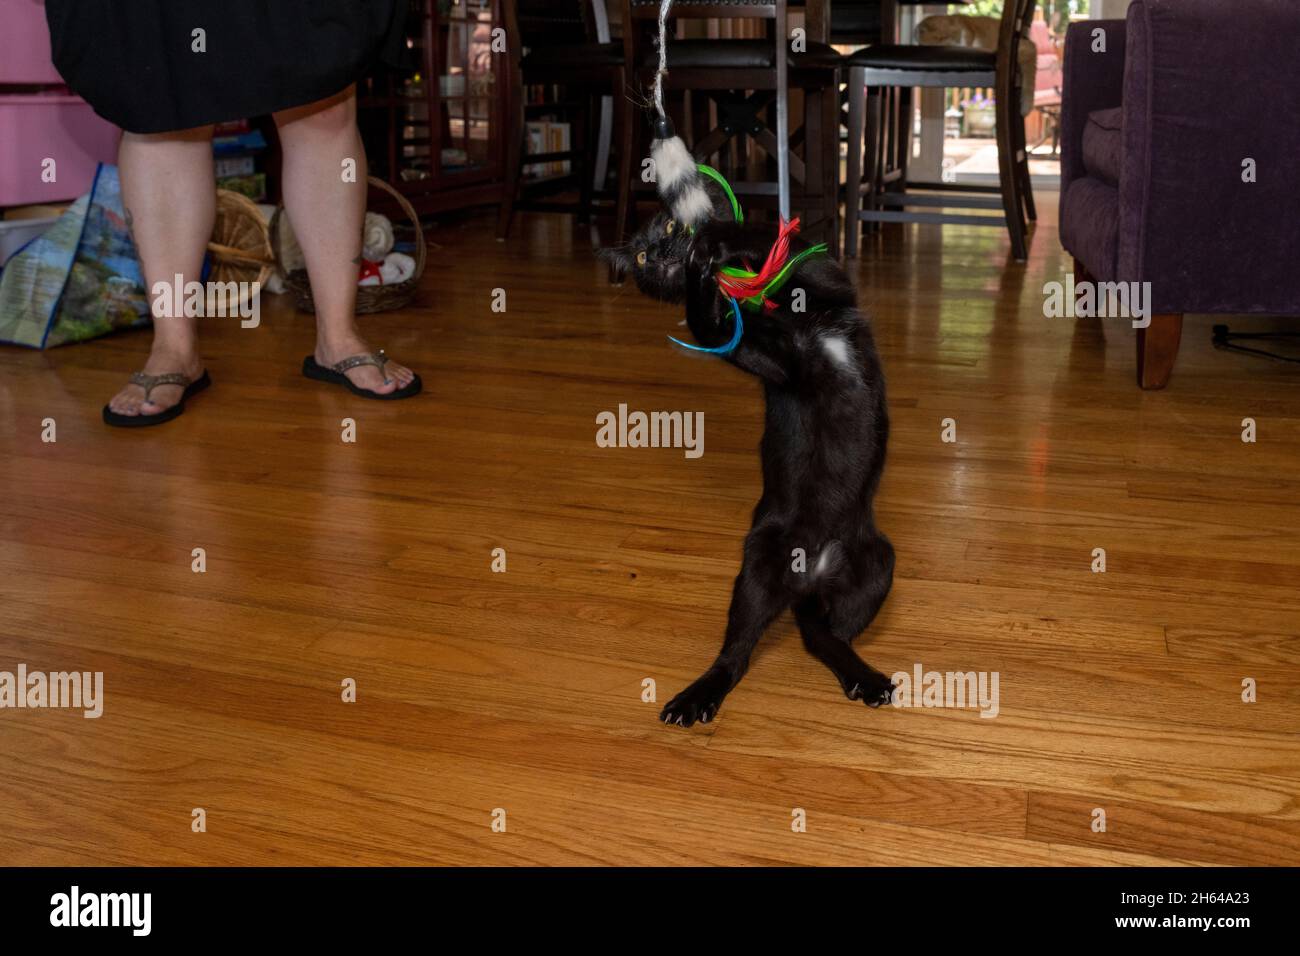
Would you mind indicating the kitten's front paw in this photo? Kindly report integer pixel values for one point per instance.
(702, 260)
(872, 688)
(699, 702)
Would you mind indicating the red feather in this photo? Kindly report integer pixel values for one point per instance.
(742, 288)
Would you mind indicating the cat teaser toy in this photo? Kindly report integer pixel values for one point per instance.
(680, 181)
(719, 349)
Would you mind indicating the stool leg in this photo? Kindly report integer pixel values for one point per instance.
(514, 131)
(626, 158)
(584, 134)
(830, 102)
(808, 201)
(1008, 174)
(875, 150)
(857, 93)
(905, 129)
(1022, 167)
(783, 134)
(889, 136)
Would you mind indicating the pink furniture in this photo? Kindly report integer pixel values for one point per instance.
(51, 124)
(36, 128)
(1047, 83)
(25, 44)
(1048, 74)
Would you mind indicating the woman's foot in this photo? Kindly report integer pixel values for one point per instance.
(393, 377)
(162, 360)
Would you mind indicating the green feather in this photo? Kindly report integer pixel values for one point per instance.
(721, 180)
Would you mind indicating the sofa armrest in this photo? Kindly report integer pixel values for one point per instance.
(1208, 86)
(1092, 81)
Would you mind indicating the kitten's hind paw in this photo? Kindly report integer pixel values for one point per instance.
(873, 689)
(699, 702)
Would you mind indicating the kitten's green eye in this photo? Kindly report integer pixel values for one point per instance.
(668, 230)
(640, 258)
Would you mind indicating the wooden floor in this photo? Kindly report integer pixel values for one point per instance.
(523, 690)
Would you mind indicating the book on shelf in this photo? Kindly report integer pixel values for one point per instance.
(236, 146)
(234, 166)
(548, 136)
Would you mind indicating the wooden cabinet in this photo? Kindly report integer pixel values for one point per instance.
(435, 131)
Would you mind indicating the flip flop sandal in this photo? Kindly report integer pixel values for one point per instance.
(334, 375)
(149, 383)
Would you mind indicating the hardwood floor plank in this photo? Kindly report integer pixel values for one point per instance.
(1163, 831)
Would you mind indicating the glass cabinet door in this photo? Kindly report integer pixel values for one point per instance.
(467, 84)
(438, 121)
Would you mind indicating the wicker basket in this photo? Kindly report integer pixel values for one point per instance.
(370, 298)
(240, 247)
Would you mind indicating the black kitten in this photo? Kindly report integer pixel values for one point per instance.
(823, 450)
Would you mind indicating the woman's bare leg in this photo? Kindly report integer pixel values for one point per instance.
(169, 194)
(326, 213)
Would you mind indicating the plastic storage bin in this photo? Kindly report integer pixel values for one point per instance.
(36, 127)
(25, 43)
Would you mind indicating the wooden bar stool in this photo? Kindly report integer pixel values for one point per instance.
(877, 73)
(563, 44)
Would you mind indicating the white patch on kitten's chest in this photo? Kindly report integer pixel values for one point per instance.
(838, 350)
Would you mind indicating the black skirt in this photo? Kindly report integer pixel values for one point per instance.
(142, 65)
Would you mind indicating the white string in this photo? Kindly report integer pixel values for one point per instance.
(663, 55)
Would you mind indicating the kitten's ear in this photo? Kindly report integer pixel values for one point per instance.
(617, 257)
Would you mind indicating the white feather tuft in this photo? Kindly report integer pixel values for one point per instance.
(673, 161)
(679, 181)
(692, 207)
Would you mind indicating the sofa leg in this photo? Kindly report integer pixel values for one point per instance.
(1157, 347)
(1081, 273)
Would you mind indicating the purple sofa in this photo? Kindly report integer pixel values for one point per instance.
(1156, 135)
